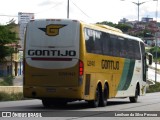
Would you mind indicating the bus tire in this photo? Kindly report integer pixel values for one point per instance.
(95, 103)
(46, 103)
(135, 98)
(60, 103)
(104, 96)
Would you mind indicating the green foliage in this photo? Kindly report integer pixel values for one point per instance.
(10, 97)
(122, 27)
(126, 29)
(8, 81)
(5, 51)
(154, 88)
(153, 51)
(107, 23)
(6, 37)
(142, 33)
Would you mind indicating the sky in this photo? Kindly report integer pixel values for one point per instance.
(90, 11)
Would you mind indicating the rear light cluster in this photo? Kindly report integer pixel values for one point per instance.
(81, 68)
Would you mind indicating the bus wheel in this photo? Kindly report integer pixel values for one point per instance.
(46, 103)
(60, 103)
(104, 96)
(95, 103)
(135, 98)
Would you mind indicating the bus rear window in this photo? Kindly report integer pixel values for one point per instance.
(65, 36)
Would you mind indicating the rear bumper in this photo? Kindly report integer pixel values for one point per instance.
(53, 92)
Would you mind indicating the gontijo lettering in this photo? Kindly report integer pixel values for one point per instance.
(110, 64)
(51, 53)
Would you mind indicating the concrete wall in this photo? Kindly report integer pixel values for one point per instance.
(11, 89)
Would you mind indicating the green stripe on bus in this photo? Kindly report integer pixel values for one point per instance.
(124, 74)
(130, 75)
(127, 74)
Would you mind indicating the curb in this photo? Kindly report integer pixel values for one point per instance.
(11, 89)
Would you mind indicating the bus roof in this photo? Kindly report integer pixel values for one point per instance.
(109, 28)
(106, 27)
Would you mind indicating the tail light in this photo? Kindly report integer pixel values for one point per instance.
(81, 68)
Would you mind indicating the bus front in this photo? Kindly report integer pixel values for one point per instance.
(52, 65)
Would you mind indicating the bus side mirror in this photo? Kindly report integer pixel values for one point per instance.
(150, 58)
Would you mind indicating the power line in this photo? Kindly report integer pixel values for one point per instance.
(80, 9)
(50, 7)
(36, 12)
(60, 3)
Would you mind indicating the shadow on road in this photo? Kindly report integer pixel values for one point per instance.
(75, 106)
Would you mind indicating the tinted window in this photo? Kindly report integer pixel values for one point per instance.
(136, 50)
(93, 42)
(108, 44)
(122, 46)
(115, 45)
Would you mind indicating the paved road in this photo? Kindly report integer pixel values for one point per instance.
(81, 110)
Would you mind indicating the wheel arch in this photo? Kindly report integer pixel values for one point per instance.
(99, 85)
(106, 83)
(138, 85)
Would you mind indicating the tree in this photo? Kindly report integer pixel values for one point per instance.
(122, 27)
(107, 23)
(7, 37)
(155, 49)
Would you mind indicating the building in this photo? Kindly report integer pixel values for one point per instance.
(146, 19)
(13, 64)
(147, 29)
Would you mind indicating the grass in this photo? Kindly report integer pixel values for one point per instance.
(153, 88)
(7, 81)
(11, 97)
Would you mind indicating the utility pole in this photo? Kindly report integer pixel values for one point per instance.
(156, 43)
(68, 9)
(138, 4)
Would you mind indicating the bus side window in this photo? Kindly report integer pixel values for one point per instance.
(136, 50)
(121, 47)
(98, 47)
(114, 45)
(106, 44)
(125, 48)
(93, 42)
(130, 49)
(90, 45)
(89, 41)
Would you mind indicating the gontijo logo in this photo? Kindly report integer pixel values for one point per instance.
(52, 29)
